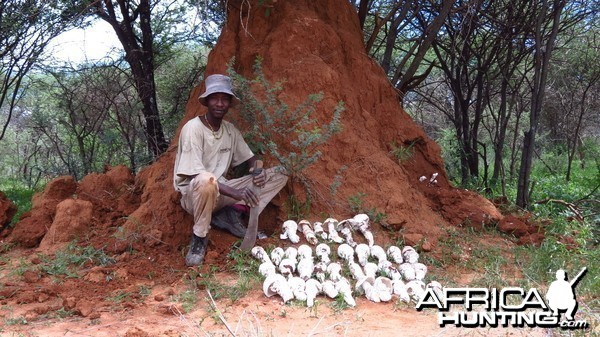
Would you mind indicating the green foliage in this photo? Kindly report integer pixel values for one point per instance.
(356, 203)
(339, 304)
(67, 261)
(289, 134)
(337, 180)
(297, 209)
(20, 195)
(247, 278)
(401, 152)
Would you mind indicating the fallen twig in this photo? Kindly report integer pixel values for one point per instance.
(572, 207)
(214, 305)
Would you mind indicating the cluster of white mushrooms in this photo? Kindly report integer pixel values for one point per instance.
(379, 274)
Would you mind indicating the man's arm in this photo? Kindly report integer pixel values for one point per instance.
(246, 194)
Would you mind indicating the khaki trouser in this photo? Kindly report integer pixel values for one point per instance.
(201, 197)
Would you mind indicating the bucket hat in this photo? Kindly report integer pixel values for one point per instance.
(218, 83)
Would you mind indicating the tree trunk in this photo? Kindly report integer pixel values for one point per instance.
(543, 51)
(140, 57)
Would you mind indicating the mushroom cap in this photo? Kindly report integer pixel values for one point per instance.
(371, 269)
(258, 253)
(383, 283)
(277, 255)
(384, 266)
(378, 252)
(304, 252)
(345, 252)
(416, 289)
(334, 269)
(305, 268)
(362, 253)
(361, 217)
(420, 270)
(271, 284)
(408, 271)
(410, 256)
(303, 223)
(313, 284)
(287, 266)
(291, 253)
(400, 290)
(290, 226)
(267, 268)
(329, 289)
(322, 248)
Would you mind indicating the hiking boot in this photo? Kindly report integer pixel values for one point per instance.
(195, 255)
(230, 220)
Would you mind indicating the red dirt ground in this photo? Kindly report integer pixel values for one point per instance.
(138, 220)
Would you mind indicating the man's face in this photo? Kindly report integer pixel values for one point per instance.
(218, 104)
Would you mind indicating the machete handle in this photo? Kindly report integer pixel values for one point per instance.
(257, 168)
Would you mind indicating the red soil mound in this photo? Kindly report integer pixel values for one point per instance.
(147, 208)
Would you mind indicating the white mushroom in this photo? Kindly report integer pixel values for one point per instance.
(378, 253)
(416, 290)
(260, 254)
(305, 268)
(266, 269)
(334, 270)
(393, 273)
(331, 224)
(384, 287)
(298, 286)
(291, 253)
(319, 231)
(360, 222)
(347, 234)
(312, 289)
(362, 253)
(277, 255)
(383, 267)
(356, 271)
(433, 178)
(322, 251)
(422, 178)
(369, 237)
(408, 271)
(400, 290)
(368, 288)
(304, 252)
(320, 271)
(437, 288)
(345, 252)
(420, 271)
(343, 287)
(329, 289)
(276, 284)
(371, 269)
(287, 267)
(410, 255)
(308, 232)
(290, 231)
(395, 254)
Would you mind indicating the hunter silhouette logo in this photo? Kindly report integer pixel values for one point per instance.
(509, 306)
(561, 294)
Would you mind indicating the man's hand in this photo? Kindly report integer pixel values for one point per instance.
(248, 196)
(260, 179)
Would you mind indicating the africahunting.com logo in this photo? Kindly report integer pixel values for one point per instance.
(508, 307)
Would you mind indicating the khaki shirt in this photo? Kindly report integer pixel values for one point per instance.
(198, 151)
